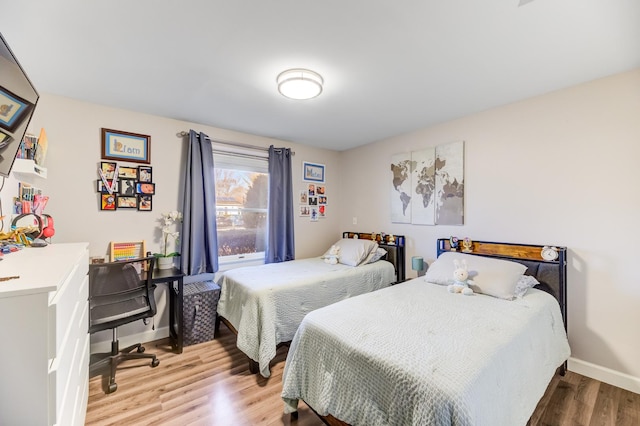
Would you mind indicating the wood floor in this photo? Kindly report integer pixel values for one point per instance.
(210, 384)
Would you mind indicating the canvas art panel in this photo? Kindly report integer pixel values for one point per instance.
(400, 180)
(449, 202)
(423, 186)
(427, 186)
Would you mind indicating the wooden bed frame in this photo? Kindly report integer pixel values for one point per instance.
(552, 276)
(393, 244)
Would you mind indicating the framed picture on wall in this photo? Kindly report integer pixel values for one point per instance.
(126, 202)
(312, 172)
(127, 187)
(144, 174)
(126, 146)
(101, 187)
(144, 203)
(107, 202)
(145, 188)
(125, 172)
(108, 169)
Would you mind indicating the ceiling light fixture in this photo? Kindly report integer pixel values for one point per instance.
(299, 83)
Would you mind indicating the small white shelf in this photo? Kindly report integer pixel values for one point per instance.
(23, 167)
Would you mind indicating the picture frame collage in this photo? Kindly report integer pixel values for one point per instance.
(313, 199)
(313, 202)
(125, 187)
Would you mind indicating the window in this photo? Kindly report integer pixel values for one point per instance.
(242, 185)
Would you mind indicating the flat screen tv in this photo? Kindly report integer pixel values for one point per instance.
(18, 99)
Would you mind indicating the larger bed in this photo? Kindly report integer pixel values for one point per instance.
(264, 304)
(417, 354)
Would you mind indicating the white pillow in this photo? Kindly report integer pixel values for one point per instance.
(493, 277)
(353, 251)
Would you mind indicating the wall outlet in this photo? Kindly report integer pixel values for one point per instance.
(355, 220)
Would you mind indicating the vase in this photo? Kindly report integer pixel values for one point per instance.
(165, 262)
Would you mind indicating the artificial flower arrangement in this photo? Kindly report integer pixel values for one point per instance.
(166, 223)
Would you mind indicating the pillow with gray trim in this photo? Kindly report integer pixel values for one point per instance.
(493, 277)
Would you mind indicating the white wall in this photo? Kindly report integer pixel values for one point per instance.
(74, 132)
(556, 169)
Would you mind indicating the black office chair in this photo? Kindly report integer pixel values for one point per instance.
(118, 295)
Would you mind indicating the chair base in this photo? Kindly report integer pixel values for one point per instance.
(111, 359)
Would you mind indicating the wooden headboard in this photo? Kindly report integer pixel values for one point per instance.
(393, 244)
(552, 274)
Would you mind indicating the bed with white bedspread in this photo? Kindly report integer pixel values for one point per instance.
(417, 354)
(265, 304)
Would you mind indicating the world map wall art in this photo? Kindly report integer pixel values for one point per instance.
(427, 186)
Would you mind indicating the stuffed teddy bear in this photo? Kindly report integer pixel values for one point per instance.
(334, 254)
(460, 281)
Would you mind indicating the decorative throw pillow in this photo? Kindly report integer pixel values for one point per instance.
(493, 277)
(524, 283)
(375, 255)
(354, 251)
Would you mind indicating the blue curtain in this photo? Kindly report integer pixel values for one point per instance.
(280, 241)
(199, 243)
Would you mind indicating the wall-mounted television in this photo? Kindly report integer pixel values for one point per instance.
(18, 99)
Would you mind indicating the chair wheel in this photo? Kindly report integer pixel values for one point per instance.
(155, 363)
(140, 349)
(112, 387)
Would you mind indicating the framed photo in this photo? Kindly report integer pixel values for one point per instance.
(144, 174)
(126, 146)
(127, 172)
(127, 187)
(126, 202)
(322, 199)
(304, 198)
(144, 203)
(322, 211)
(5, 139)
(13, 109)
(312, 190)
(108, 169)
(100, 186)
(312, 172)
(320, 189)
(107, 202)
(145, 188)
(304, 211)
(313, 201)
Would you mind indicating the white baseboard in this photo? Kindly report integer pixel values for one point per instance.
(606, 375)
(144, 337)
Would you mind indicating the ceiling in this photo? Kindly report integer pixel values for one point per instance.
(389, 67)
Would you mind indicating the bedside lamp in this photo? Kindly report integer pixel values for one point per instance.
(417, 264)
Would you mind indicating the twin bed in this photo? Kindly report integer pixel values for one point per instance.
(416, 354)
(265, 304)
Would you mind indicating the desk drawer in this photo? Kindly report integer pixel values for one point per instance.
(66, 304)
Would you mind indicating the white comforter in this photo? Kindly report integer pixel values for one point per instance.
(266, 303)
(414, 354)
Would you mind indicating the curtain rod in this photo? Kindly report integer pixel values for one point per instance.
(237, 144)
